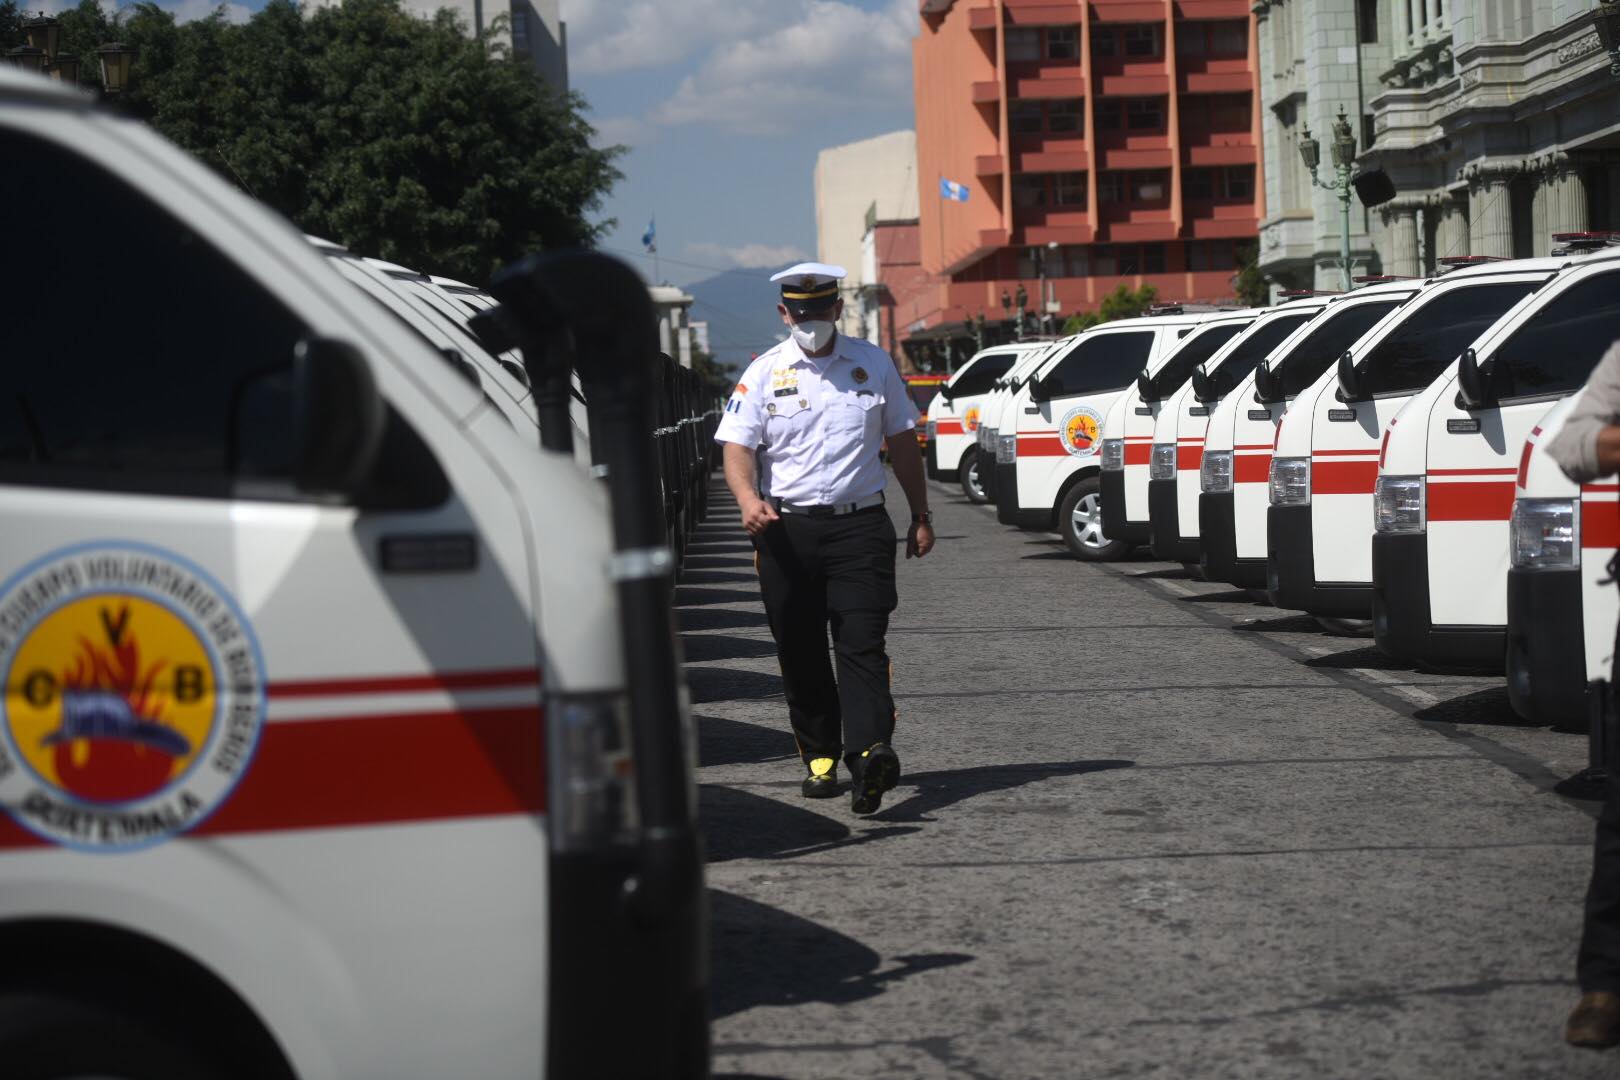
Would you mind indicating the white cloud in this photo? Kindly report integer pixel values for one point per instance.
(747, 255)
(628, 131)
(835, 54)
(615, 35)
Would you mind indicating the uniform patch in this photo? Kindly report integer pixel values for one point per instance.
(786, 391)
(742, 390)
(134, 696)
(734, 405)
(804, 403)
(860, 375)
(771, 408)
(1081, 429)
(970, 419)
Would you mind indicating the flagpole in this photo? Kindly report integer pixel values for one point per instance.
(939, 201)
(657, 277)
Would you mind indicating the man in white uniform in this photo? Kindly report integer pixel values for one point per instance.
(802, 434)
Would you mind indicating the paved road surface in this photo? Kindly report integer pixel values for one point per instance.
(1147, 827)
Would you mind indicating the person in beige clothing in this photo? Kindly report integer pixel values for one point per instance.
(1588, 447)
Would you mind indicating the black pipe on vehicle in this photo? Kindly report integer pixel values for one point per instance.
(629, 929)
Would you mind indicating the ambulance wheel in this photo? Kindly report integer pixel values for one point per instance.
(1080, 522)
(968, 477)
(46, 1037)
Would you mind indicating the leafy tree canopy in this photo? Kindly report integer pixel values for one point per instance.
(1123, 303)
(398, 136)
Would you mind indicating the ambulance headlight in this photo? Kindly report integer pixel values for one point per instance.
(592, 802)
(1006, 449)
(1215, 472)
(1398, 504)
(1290, 481)
(1546, 534)
(1162, 463)
(1113, 455)
(929, 429)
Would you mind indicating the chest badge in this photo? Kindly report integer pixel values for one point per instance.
(803, 403)
(860, 375)
(771, 408)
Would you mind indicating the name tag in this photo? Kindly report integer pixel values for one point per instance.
(786, 391)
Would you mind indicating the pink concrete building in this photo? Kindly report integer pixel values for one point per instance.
(1102, 142)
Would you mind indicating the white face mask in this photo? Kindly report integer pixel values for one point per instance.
(812, 336)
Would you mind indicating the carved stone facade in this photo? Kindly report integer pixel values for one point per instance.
(1498, 122)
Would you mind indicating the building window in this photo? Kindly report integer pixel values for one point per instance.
(1034, 190)
(1068, 117)
(1111, 187)
(1211, 255)
(1023, 45)
(1103, 42)
(1024, 117)
(1210, 113)
(1109, 116)
(1147, 186)
(1144, 114)
(1141, 40)
(1124, 260)
(1102, 258)
(1062, 43)
(1239, 181)
(1224, 38)
(1235, 182)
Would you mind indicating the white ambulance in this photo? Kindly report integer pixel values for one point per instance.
(997, 405)
(953, 416)
(1448, 470)
(1128, 428)
(1233, 472)
(1177, 450)
(1049, 455)
(1325, 459)
(1562, 602)
(319, 755)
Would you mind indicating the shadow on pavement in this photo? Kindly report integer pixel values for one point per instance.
(1489, 707)
(764, 956)
(1283, 624)
(1049, 555)
(1370, 657)
(707, 561)
(1226, 596)
(724, 684)
(697, 596)
(936, 790)
(735, 742)
(738, 824)
(724, 647)
(699, 619)
(1180, 572)
(718, 577)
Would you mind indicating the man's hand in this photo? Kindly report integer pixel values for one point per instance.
(757, 515)
(919, 539)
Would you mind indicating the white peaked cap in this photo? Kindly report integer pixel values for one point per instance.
(822, 273)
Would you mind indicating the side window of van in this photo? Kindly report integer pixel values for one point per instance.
(977, 379)
(1414, 353)
(1327, 342)
(1259, 345)
(1104, 362)
(139, 358)
(1557, 348)
(1192, 353)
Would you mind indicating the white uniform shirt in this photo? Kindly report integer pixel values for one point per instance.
(819, 422)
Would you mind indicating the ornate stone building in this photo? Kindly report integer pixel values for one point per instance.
(1498, 121)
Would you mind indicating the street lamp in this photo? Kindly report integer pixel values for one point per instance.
(1344, 158)
(115, 60)
(1022, 300)
(43, 33)
(65, 68)
(27, 57)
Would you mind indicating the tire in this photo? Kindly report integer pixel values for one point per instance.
(968, 476)
(1080, 524)
(44, 1036)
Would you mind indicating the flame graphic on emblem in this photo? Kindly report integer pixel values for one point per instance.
(112, 744)
(1081, 432)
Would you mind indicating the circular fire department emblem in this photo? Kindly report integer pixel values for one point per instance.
(1081, 431)
(970, 419)
(134, 696)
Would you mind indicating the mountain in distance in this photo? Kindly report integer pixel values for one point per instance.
(740, 308)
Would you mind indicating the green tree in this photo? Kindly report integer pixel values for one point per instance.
(1252, 289)
(401, 137)
(1123, 303)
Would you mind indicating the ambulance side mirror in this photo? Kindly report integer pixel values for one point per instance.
(1145, 388)
(946, 392)
(1039, 390)
(1478, 387)
(1349, 378)
(1201, 383)
(338, 417)
(1267, 384)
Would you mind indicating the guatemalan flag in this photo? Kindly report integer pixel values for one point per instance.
(951, 190)
(649, 239)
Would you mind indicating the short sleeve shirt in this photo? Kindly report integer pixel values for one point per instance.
(817, 423)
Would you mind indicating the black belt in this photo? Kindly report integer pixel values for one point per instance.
(870, 502)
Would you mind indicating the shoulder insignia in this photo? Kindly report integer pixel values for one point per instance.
(742, 389)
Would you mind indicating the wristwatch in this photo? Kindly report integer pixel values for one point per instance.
(924, 518)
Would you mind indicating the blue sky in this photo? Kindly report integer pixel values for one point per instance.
(723, 105)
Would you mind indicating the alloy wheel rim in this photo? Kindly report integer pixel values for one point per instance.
(1086, 521)
(973, 479)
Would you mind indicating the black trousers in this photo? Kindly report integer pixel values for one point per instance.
(1597, 965)
(817, 573)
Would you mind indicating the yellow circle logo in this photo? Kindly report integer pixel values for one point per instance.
(970, 419)
(1081, 430)
(133, 697)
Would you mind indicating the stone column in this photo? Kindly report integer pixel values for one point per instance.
(1400, 218)
(1571, 197)
(1490, 208)
(1451, 226)
(1542, 211)
(1401, 24)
